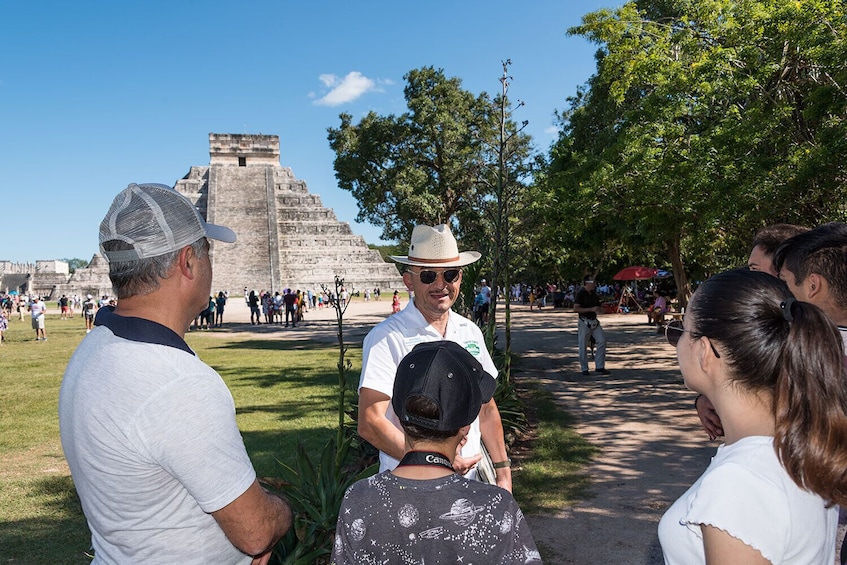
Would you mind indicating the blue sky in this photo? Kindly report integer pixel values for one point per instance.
(97, 94)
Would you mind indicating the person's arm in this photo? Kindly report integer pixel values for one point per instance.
(723, 549)
(491, 428)
(375, 427)
(255, 521)
(708, 417)
(585, 309)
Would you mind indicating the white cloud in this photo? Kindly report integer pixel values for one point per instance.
(552, 130)
(345, 90)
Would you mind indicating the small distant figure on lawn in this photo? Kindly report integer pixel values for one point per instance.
(395, 302)
(89, 309)
(38, 312)
(4, 325)
(220, 303)
(423, 510)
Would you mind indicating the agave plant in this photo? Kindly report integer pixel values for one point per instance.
(315, 493)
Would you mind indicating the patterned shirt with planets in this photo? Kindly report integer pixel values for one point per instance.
(389, 519)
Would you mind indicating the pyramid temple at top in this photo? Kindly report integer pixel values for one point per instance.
(286, 237)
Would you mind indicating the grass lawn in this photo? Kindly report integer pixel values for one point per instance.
(284, 391)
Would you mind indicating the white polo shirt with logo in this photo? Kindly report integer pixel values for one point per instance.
(390, 340)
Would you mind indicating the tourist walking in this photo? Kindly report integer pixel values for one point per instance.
(587, 305)
(38, 313)
(220, 302)
(4, 325)
(395, 302)
(89, 308)
(253, 302)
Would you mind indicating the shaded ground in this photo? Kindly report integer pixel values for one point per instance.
(640, 417)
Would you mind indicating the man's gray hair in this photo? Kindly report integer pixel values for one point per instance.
(140, 277)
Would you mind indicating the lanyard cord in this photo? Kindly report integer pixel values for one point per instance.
(427, 458)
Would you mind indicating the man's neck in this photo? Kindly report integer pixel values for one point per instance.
(149, 307)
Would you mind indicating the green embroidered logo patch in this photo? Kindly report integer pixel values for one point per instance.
(473, 347)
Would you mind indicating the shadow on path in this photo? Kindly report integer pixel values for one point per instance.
(641, 417)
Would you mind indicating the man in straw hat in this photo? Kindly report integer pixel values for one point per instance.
(423, 510)
(147, 428)
(434, 275)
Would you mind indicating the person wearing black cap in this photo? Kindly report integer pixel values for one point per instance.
(587, 305)
(423, 511)
(148, 429)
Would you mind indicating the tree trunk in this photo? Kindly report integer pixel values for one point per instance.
(683, 288)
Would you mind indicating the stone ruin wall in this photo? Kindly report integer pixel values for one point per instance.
(286, 237)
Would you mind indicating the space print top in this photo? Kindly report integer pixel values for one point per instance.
(390, 519)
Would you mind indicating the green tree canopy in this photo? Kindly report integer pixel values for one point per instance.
(423, 166)
(705, 120)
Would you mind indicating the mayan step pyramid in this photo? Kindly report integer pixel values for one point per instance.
(286, 237)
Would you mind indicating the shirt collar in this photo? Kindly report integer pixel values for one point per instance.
(139, 329)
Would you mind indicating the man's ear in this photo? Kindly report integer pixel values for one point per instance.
(815, 286)
(407, 280)
(464, 431)
(186, 262)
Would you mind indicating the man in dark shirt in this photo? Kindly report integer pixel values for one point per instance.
(587, 305)
(290, 301)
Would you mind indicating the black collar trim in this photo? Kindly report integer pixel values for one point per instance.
(139, 329)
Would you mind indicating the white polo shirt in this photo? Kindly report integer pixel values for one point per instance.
(390, 341)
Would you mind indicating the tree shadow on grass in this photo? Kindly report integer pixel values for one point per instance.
(276, 345)
(60, 536)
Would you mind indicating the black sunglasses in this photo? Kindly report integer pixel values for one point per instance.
(673, 331)
(428, 277)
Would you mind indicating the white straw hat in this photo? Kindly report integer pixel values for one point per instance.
(435, 247)
(154, 219)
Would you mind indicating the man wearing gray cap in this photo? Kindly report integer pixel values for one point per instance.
(423, 511)
(147, 428)
(434, 275)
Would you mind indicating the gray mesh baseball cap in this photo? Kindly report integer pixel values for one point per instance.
(154, 219)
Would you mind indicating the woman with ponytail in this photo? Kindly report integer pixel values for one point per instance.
(774, 369)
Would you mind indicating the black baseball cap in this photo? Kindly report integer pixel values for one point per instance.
(446, 373)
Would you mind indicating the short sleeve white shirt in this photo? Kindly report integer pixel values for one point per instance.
(390, 340)
(150, 436)
(747, 493)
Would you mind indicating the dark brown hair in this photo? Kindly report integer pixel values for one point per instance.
(822, 251)
(425, 408)
(769, 238)
(792, 351)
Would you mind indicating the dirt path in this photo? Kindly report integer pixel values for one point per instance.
(640, 417)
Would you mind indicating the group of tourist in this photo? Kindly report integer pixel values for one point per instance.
(763, 352)
(35, 307)
(157, 459)
(289, 305)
